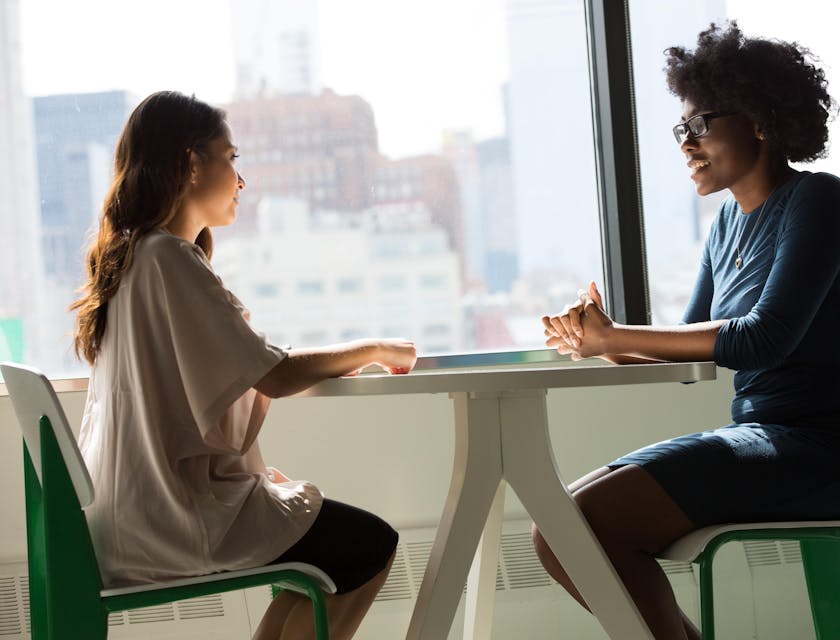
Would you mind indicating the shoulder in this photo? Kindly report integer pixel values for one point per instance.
(160, 245)
(160, 250)
(819, 185)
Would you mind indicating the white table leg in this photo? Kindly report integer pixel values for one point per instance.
(481, 583)
(476, 474)
(530, 469)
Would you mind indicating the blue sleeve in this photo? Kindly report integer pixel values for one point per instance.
(700, 303)
(805, 266)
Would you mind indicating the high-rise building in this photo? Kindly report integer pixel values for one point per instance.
(20, 256)
(459, 148)
(324, 150)
(276, 47)
(321, 148)
(498, 215)
(314, 277)
(75, 139)
(430, 179)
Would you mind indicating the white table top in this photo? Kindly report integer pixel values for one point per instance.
(500, 378)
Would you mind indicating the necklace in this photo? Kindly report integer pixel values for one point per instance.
(738, 261)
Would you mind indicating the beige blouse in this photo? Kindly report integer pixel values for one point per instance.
(170, 426)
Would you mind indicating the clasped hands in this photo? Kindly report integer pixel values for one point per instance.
(582, 328)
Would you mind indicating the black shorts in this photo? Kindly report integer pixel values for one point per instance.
(748, 473)
(349, 544)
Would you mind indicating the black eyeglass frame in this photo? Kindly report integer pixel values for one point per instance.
(697, 126)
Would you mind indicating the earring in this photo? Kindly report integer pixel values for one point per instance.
(760, 136)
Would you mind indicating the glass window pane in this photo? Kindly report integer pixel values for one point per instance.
(442, 151)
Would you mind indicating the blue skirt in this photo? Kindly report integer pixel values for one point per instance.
(748, 473)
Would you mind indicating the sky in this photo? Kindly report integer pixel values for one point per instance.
(424, 66)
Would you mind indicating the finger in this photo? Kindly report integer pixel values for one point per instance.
(595, 294)
(570, 333)
(559, 329)
(574, 321)
(561, 345)
(549, 329)
(398, 370)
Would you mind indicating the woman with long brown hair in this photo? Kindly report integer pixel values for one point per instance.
(180, 385)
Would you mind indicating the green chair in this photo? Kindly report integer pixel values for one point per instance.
(67, 601)
(819, 542)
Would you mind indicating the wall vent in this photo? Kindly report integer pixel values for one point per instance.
(519, 567)
(766, 553)
(14, 609)
(398, 584)
(10, 618)
(204, 607)
(672, 568)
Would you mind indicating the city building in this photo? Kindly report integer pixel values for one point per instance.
(75, 139)
(324, 150)
(498, 215)
(312, 277)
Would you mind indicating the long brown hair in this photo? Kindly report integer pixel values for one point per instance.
(151, 177)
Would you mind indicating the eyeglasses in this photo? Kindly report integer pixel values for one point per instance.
(697, 126)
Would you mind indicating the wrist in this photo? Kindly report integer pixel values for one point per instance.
(612, 340)
(372, 350)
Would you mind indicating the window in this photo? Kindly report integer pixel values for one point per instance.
(477, 163)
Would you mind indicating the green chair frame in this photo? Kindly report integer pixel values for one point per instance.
(819, 543)
(66, 595)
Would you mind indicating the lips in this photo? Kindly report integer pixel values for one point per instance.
(696, 165)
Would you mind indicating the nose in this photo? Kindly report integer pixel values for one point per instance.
(240, 181)
(689, 143)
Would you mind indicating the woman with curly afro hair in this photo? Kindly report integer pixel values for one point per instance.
(766, 304)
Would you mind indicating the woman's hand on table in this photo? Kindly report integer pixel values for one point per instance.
(581, 328)
(397, 355)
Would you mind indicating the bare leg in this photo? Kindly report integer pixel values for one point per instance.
(634, 518)
(289, 616)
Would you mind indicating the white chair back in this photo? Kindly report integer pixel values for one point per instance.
(32, 397)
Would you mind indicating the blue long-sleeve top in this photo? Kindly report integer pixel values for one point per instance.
(783, 305)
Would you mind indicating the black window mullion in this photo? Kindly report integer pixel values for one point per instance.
(617, 161)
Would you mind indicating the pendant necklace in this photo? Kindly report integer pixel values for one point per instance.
(738, 260)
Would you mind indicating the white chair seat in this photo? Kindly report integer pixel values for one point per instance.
(326, 583)
(687, 548)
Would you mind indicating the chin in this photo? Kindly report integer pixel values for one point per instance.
(706, 189)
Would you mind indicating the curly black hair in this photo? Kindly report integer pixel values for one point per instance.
(775, 84)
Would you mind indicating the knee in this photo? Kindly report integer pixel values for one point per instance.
(540, 545)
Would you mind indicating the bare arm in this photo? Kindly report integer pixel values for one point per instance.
(681, 343)
(584, 331)
(303, 368)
